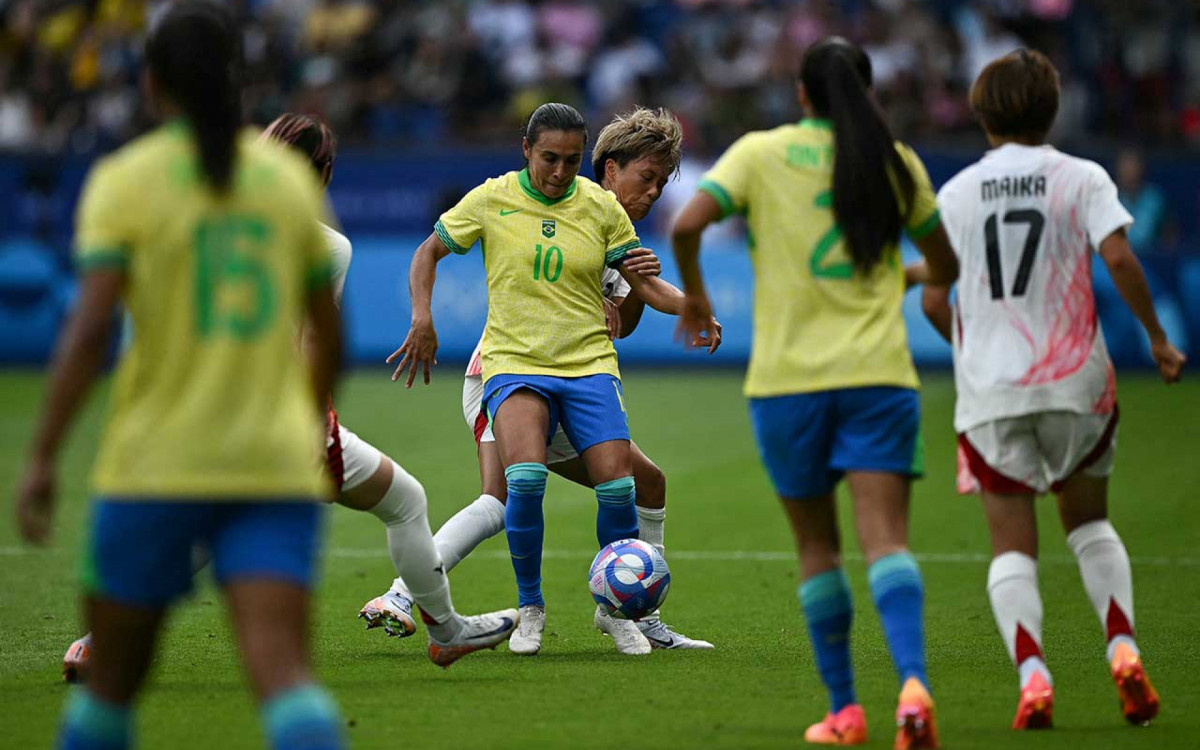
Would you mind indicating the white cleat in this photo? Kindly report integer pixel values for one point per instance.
(661, 636)
(476, 633)
(625, 634)
(392, 612)
(527, 638)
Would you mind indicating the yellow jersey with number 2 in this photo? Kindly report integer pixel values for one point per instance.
(818, 325)
(212, 400)
(545, 259)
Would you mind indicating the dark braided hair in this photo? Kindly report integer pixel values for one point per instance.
(310, 136)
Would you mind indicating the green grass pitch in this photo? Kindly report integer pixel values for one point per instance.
(734, 581)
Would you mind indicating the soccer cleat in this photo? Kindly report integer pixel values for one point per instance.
(625, 634)
(527, 638)
(916, 723)
(1036, 709)
(662, 636)
(846, 727)
(477, 632)
(1139, 699)
(393, 612)
(75, 661)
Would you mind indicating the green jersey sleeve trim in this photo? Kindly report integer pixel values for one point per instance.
(319, 275)
(440, 230)
(102, 259)
(616, 256)
(925, 227)
(720, 195)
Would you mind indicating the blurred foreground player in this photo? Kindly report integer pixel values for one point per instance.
(1037, 406)
(211, 242)
(832, 387)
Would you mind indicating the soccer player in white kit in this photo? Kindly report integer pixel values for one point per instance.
(634, 156)
(1037, 407)
(366, 479)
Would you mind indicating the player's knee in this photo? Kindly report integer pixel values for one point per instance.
(404, 501)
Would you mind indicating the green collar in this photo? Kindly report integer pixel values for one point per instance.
(532, 192)
(816, 122)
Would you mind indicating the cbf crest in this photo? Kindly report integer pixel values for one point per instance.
(547, 228)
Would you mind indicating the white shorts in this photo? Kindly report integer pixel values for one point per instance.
(351, 459)
(1035, 453)
(558, 450)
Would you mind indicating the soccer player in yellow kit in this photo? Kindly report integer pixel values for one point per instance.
(546, 235)
(211, 242)
(831, 383)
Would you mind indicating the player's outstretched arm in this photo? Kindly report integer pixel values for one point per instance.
(77, 359)
(695, 315)
(419, 349)
(1130, 279)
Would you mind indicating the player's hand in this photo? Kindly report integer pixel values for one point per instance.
(1170, 361)
(612, 319)
(35, 502)
(712, 341)
(696, 321)
(418, 351)
(643, 262)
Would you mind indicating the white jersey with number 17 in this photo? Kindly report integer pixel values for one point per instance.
(1025, 221)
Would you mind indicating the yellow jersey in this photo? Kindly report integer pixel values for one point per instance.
(212, 399)
(544, 260)
(818, 325)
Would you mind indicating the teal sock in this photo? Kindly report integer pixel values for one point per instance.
(89, 723)
(828, 610)
(899, 596)
(303, 717)
(616, 513)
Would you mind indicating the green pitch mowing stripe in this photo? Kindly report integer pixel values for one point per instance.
(733, 582)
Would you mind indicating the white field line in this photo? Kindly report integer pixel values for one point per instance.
(933, 558)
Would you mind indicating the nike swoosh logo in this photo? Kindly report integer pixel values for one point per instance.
(506, 213)
(508, 625)
(659, 641)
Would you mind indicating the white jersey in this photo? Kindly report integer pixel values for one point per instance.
(1024, 222)
(612, 284)
(340, 250)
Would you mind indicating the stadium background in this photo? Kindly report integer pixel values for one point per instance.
(428, 99)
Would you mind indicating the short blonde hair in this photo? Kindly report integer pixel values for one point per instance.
(642, 133)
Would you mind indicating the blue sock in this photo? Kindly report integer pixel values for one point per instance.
(616, 516)
(303, 718)
(899, 597)
(829, 611)
(525, 528)
(89, 723)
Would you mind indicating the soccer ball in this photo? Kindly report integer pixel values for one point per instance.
(629, 579)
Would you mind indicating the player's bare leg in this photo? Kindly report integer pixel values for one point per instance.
(881, 520)
(1017, 602)
(1108, 580)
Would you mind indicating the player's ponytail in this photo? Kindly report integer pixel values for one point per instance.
(194, 56)
(868, 173)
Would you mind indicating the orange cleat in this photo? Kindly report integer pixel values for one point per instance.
(1036, 709)
(916, 720)
(75, 661)
(1139, 699)
(846, 727)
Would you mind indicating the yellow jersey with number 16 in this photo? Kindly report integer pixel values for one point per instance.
(212, 399)
(545, 259)
(818, 325)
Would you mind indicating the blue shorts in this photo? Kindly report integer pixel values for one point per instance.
(140, 553)
(809, 440)
(590, 409)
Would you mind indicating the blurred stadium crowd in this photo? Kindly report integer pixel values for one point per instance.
(467, 71)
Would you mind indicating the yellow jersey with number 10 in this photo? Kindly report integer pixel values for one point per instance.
(212, 399)
(818, 325)
(545, 259)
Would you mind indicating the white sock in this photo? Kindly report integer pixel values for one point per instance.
(468, 528)
(650, 527)
(1017, 606)
(404, 510)
(1107, 578)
